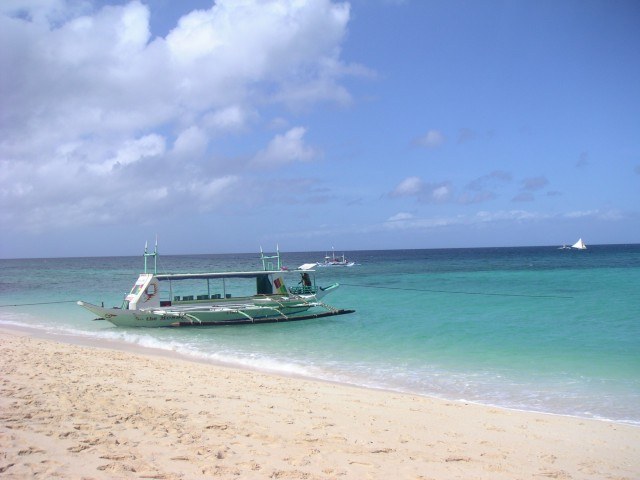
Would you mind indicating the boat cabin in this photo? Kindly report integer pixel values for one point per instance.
(163, 290)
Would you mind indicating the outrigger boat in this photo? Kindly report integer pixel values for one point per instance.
(333, 261)
(150, 305)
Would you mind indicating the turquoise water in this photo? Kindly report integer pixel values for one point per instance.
(536, 328)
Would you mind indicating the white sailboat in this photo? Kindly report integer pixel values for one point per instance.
(579, 245)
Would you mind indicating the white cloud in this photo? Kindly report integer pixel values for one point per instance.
(285, 149)
(424, 192)
(596, 214)
(405, 221)
(221, 52)
(441, 193)
(408, 221)
(93, 100)
(401, 216)
(408, 187)
(191, 142)
(508, 215)
(431, 139)
(131, 152)
(214, 190)
(229, 119)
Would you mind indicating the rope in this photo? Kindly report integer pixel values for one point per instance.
(38, 303)
(457, 292)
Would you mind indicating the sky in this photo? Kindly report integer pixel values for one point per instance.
(220, 127)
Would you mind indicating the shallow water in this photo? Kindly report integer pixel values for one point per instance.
(530, 328)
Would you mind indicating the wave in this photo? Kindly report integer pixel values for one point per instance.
(559, 396)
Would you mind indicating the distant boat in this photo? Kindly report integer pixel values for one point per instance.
(579, 245)
(333, 261)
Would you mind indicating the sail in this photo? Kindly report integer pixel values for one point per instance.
(579, 245)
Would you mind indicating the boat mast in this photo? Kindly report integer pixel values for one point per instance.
(266, 266)
(154, 255)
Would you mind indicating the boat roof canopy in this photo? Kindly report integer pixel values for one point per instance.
(307, 267)
(203, 276)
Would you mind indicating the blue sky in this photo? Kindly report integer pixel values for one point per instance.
(372, 124)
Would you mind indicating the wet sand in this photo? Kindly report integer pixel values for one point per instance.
(70, 411)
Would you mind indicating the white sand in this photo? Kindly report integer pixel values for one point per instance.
(68, 411)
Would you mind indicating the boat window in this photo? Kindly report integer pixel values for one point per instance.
(217, 288)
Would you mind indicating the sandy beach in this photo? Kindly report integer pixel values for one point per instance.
(70, 411)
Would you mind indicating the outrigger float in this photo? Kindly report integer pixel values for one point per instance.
(149, 305)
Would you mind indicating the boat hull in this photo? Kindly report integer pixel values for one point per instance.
(263, 310)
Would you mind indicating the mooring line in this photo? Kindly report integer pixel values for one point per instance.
(38, 303)
(456, 292)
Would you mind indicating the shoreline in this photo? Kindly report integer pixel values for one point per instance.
(74, 411)
(136, 348)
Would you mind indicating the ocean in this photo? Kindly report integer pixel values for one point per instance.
(528, 328)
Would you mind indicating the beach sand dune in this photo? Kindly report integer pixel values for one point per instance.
(70, 411)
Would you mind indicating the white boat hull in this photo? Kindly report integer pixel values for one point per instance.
(237, 311)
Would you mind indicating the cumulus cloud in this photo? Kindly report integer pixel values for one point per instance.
(211, 190)
(409, 186)
(130, 153)
(482, 189)
(232, 118)
(191, 142)
(422, 191)
(431, 139)
(96, 100)
(441, 193)
(285, 149)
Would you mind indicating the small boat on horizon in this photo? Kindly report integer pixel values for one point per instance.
(333, 261)
(579, 245)
(222, 298)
